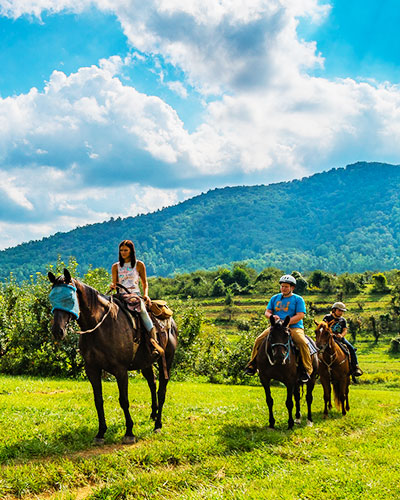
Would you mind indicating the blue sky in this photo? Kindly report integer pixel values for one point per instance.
(117, 108)
(359, 39)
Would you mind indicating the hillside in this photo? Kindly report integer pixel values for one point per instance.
(346, 219)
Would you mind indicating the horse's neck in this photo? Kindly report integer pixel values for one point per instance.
(92, 305)
(332, 345)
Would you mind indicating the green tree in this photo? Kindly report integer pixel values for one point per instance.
(218, 288)
(240, 276)
(380, 284)
(301, 283)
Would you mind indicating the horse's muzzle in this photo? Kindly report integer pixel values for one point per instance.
(280, 355)
(59, 324)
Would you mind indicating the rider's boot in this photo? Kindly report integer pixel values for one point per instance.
(157, 349)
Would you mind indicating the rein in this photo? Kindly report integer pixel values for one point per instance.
(100, 322)
(333, 357)
(71, 304)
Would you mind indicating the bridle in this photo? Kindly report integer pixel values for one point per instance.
(286, 347)
(70, 314)
(322, 349)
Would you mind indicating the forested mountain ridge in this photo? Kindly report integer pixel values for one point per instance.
(346, 219)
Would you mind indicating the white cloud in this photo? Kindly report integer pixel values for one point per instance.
(88, 139)
(15, 193)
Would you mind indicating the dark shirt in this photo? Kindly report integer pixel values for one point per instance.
(337, 325)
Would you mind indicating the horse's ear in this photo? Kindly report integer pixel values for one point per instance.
(67, 276)
(286, 321)
(51, 277)
(316, 322)
(272, 320)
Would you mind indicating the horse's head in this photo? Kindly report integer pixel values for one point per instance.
(279, 340)
(323, 334)
(64, 302)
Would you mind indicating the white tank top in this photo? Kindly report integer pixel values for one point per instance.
(129, 277)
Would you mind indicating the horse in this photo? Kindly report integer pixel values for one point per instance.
(334, 368)
(108, 341)
(276, 359)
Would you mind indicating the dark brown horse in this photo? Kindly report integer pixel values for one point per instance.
(276, 359)
(334, 368)
(108, 342)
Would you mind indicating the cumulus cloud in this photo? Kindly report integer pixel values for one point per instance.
(88, 139)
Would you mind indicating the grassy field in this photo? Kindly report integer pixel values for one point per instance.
(214, 445)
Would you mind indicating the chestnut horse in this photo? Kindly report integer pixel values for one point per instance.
(276, 359)
(334, 368)
(109, 341)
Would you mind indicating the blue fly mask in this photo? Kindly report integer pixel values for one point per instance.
(64, 297)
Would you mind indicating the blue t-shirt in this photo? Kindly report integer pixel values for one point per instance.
(287, 306)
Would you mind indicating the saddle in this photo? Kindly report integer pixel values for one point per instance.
(342, 346)
(311, 346)
(160, 314)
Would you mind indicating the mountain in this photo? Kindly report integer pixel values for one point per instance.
(346, 219)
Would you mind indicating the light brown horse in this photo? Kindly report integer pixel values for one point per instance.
(334, 368)
(108, 342)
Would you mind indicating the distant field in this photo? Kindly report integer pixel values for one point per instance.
(362, 305)
(214, 444)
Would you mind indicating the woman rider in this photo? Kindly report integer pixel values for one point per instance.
(128, 272)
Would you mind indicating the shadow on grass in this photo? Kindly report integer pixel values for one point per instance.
(63, 443)
(245, 438)
(248, 437)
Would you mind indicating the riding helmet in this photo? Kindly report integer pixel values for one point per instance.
(288, 278)
(340, 306)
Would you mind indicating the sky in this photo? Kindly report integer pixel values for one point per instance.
(112, 108)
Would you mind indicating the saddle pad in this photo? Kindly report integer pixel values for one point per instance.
(311, 345)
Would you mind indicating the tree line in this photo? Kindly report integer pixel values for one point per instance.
(27, 346)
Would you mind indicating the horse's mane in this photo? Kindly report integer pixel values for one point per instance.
(92, 296)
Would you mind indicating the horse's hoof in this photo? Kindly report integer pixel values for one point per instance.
(297, 421)
(310, 423)
(98, 441)
(157, 430)
(129, 440)
(324, 416)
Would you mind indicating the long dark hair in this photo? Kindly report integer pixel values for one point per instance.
(131, 246)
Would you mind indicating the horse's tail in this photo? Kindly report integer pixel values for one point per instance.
(336, 393)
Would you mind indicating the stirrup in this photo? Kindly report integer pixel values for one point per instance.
(157, 348)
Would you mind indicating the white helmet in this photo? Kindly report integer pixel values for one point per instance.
(340, 306)
(288, 278)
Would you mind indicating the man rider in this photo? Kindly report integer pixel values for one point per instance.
(286, 303)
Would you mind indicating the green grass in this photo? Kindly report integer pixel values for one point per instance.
(214, 444)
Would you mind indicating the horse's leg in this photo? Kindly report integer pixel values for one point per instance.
(296, 393)
(162, 390)
(270, 403)
(309, 399)
(122, 381)
(94, 376)
(148, 374)
(289, 404)
(342, 394)
(347, 393)
(327, 395)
